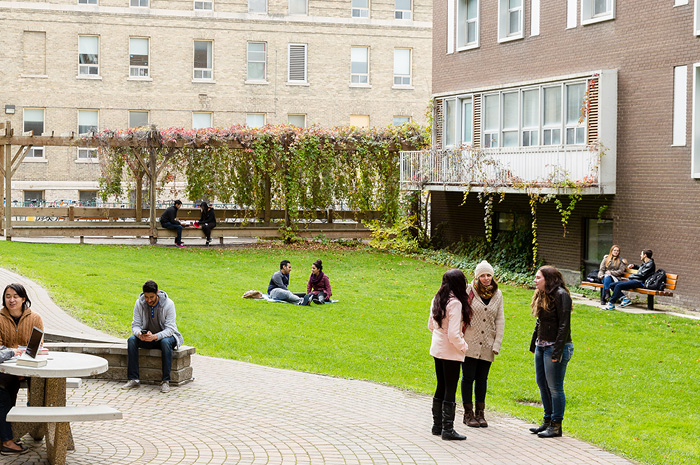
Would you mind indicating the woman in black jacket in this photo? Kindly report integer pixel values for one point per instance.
(552, 346)
(207, 221)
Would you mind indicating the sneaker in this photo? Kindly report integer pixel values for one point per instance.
(132, 383)
(611, 306)
(180, 245)
(625, 302)
(165, 386)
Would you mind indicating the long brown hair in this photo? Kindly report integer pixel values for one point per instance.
(553, 279)
(453, 282)
(614, 260)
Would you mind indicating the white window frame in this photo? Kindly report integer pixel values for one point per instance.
(530, 130)
(399, 120)
(696, 22)
(680, 105)
(576, 127)
(290, 115)
(211, 119)
(555, 128)
(401, 14)
(254, 11)
(404, 80)
(290, 67)
(449, 122)
(85, 69)
(305, 12)
(358, 10)
(248, 115)
(35, 153)
(504, 15)
(130, 124)
(510, 130)
(203, 74)
(356, 79)
(203, 5)
(466, 116)
(249, 61)
(139, 3)
(695, 131)
(491, 136)
(571, 13)
(88, 153)
(589, 16)
(137, 71)
(464, 23)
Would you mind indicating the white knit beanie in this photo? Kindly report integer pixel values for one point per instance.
(483, 268)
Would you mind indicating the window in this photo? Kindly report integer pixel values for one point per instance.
(203, 5)
(399, 120)
(203, 60)
(298, 7)
(359, 65)
(33, 53)
(87, 123)
(34, 121)
(491, 120)
(531, 117)
(257, 6)
(257, 61)
(33, 198)
(296, 71)
(138, 119)
(599, 236)
(575, 131)
(468, 26)
(402, 9)
(88, 55)
(87, 2)
(510, 20)
(255, 120)
(201, 120)
(138, 3)
(504, 221)
(402, 67)
(695, 137)
(138, 57)
(467, 121)
(360, 121)
(87, 198)
(551, 134)
(360, 8)
(449, 123)
(297, 120)
(593, 11)
(509, 134)
(680, 104)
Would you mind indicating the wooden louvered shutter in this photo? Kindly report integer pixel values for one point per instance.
(593, 111)
(477, 121)
(297, 63)
(437, 123)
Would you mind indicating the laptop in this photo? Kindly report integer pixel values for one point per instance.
(34, 342)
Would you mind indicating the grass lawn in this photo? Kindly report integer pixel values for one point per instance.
(632, 384)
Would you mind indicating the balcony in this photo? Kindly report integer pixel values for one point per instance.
(546, 169)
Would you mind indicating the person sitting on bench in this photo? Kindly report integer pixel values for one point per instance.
(169, 221)
(635, 280)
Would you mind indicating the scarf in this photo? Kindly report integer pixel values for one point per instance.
(314, 280)
(485, 292)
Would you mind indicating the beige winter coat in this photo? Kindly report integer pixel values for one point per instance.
(448, 341)
(13, 335)
(485, 333)
(615, 271)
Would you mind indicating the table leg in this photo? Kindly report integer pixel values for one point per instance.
(57, 435)
(35, 397)
(55, 396)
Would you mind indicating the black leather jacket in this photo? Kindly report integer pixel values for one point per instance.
(647, 269)
(554, 324)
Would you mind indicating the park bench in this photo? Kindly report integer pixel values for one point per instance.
(671, 281)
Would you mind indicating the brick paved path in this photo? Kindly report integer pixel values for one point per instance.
(238, 413)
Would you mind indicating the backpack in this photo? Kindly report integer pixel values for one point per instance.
(657, 281)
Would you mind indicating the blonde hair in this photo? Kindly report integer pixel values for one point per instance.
(614, 260)
(541, 300)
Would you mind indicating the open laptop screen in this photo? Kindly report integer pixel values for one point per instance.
(34, 342)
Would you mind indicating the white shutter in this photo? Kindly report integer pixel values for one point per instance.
(297, 63)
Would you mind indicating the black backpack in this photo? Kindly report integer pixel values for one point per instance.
(657, 281)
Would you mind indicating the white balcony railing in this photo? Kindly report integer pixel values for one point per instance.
(517, 168)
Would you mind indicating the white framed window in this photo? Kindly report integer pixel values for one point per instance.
(205, 5)
(201, 120)
(298, 120)
(257, 6)
(510, 20)
(296, 63)
(138, 118)
(87, 2)
(359, 65)
(449, 122)
(399, 120)
(33, 198)
(402, 66)
(203, 62)
(575, 131)
(491, 119)
(468, 24)
(530, 117)
(87, 123)
(680, 104)
(138, 3)
(298, 7)
(402, 9)
(360, 8)
(33, 120)
(88, 55)
(593, 11)
(255, 120)
(138, 57)
(257, 61)
(467, 118)
(551, 128)
(359, 121)
(87, 198)
(695, 135)
(510, 120)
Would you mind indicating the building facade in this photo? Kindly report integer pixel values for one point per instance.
(592, 97)
(85, 65)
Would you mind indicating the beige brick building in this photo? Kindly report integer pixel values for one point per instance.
(70, 66)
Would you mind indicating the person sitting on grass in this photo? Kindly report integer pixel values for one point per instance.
(635, 281)
(169, 221)
(319, 286)
(153, 327)
(277, 289)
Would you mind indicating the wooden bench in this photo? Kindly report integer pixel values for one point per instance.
(671, 281)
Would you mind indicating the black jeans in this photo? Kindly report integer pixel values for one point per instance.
(207, 227)
(474, 371)
(8, 399)
(319, 298)
(176, 227)
(447, 374)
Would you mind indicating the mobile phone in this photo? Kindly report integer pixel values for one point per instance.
(144, 331)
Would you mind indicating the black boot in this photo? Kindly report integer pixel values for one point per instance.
(552, 431)
(545, 424)
(448, 420)
(603, 297)
(437, 416)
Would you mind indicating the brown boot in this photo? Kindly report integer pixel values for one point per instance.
(469, 418)
(480, 406)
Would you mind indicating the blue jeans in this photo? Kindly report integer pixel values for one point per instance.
(165, 345)
(550, 380)
(607, 281)
(620, 286)
(176, 227)
(286, 295)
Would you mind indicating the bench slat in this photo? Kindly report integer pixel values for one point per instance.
(23, 414)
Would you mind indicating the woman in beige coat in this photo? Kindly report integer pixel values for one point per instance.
(484, 338)
(611, 270)
(449, 313)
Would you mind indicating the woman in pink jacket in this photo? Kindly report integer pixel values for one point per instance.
(450, 313)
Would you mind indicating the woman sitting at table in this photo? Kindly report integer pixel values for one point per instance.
(16, 323)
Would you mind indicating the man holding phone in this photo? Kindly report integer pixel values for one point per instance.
(153, 327)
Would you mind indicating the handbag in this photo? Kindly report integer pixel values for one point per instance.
(592, 277)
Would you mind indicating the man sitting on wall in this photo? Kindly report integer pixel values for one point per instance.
(277, 289)
(169, 221)
(635, 281)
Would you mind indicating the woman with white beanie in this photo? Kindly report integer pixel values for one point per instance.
(484, 338)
